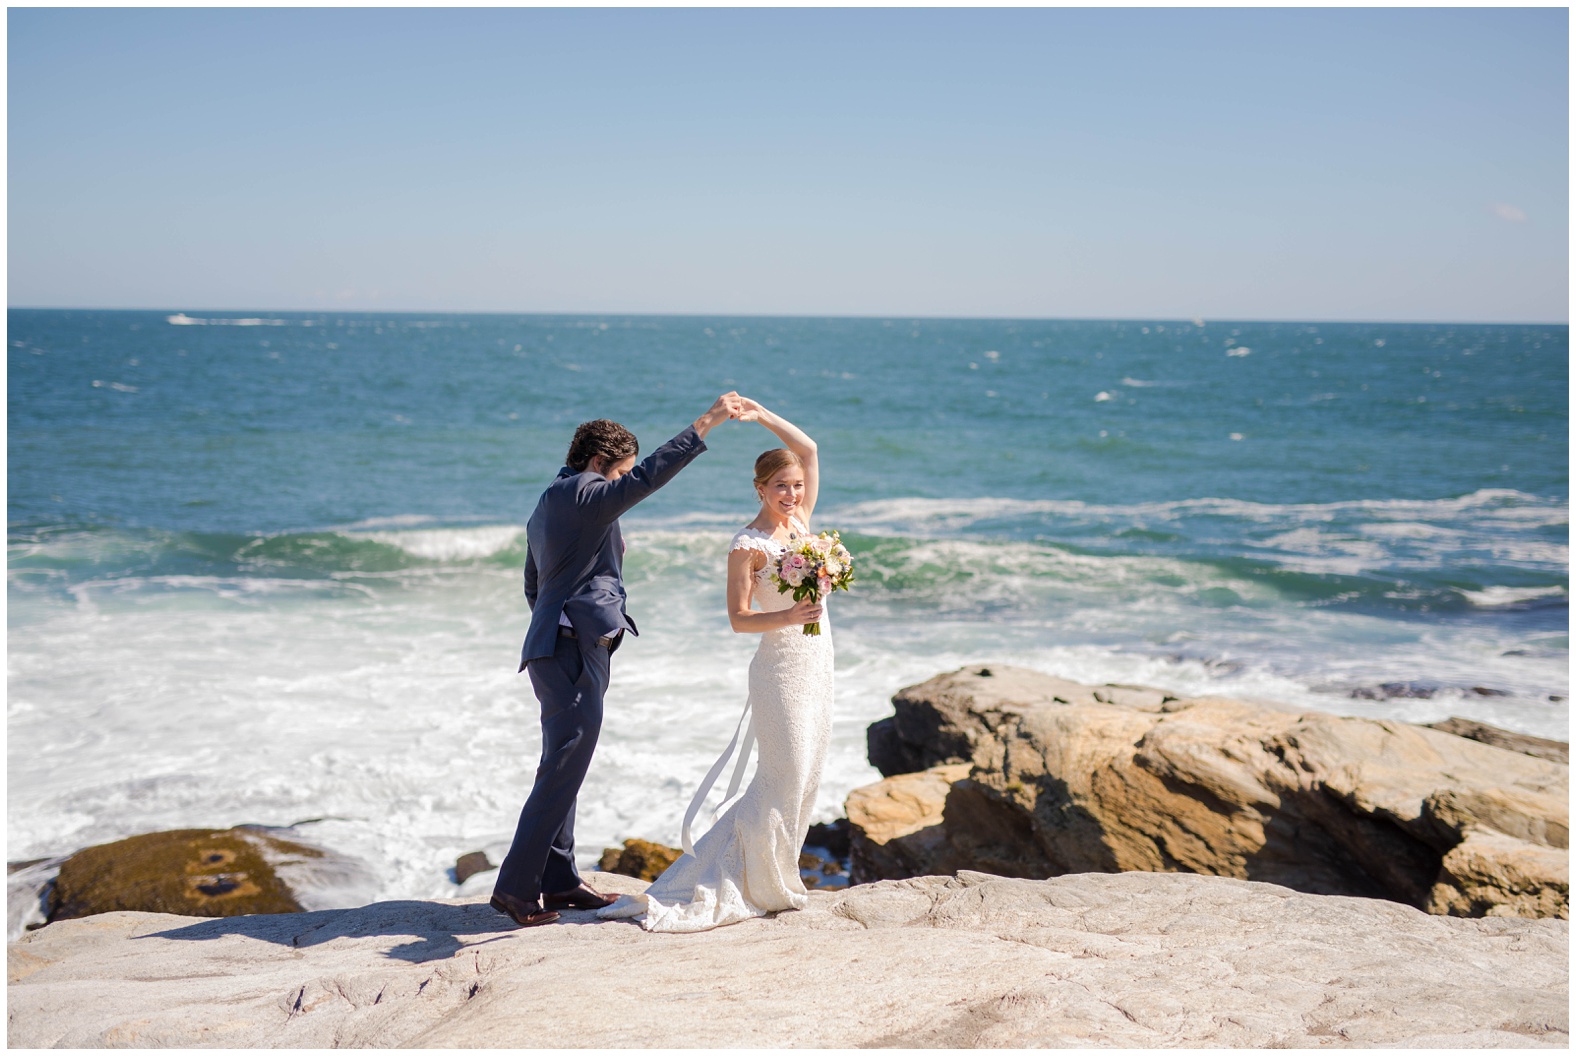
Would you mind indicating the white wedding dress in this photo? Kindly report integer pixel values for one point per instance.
(747, 863)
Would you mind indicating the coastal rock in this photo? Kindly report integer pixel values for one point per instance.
(820, 872)
(823, 860)
(936, 722)
(195, 872)
(641, 859)
(832, 836)
(205, 872)
(1479, 873)
(1065, 778)
(1510, 740)
(1397, 691)
(896, 824)
(469, 864)
(1128, 960)
(29, 887)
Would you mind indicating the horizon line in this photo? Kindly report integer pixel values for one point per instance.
(1194, 320)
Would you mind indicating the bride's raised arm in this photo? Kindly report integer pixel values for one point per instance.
(795, 440)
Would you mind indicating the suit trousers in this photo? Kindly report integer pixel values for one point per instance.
(570, 685)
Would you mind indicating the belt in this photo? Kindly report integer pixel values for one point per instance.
(607, 642)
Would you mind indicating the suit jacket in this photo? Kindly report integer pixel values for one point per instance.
(574, 557)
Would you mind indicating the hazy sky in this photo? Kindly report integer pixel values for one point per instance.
(1312, 164)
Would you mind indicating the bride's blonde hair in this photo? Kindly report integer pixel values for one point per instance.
(770, 463)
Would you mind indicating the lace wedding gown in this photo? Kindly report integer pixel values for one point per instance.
(747, 863)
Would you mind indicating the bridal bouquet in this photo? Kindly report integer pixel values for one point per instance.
(812, 567)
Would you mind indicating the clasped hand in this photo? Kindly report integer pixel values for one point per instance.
(730, 406)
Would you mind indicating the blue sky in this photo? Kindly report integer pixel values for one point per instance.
(1399, 164)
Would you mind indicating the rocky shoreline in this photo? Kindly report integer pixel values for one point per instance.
(1018, 773)
(1089, 960)
(1114, 865)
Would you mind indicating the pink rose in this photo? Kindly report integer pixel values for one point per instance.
(793, 569)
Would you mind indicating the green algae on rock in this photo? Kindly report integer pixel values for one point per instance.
(192, 872)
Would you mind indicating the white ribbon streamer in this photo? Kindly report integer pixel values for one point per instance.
(716, 769)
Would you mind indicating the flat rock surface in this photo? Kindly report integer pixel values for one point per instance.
(1132, 959)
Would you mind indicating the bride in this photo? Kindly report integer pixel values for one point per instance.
(747, 863)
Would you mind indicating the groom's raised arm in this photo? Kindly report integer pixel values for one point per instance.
(607, 500)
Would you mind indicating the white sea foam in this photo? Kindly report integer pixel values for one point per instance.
(1488, 520)
(399, 520)
(448, 544)
(1324, 553)
(1340, 537)
(388, 704)
(1503, 597)
(1494, 504)
(109, 596)
(1410, 530)
(182, 319)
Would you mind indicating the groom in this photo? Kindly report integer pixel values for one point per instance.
(574, 563)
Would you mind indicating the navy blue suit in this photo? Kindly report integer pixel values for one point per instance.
(574, 565)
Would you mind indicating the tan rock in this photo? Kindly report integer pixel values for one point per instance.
(896, 824)
(941, 720)
(641, 859)
(1542, 747)
(1069, 779)
(1494, 875)
(1136, 959)
(470, 864)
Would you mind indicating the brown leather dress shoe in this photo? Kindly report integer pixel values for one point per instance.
(526, 914)
(581, 897)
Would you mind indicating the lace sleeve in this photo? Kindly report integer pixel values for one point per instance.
(747, 541)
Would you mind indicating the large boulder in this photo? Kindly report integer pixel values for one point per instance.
(1137, 959)
(195, 872)
(1066, 778)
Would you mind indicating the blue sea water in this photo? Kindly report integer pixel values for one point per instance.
(264, 567)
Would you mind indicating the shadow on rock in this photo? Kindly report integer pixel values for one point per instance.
(436, 930)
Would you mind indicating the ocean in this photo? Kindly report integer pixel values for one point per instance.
(266, 567)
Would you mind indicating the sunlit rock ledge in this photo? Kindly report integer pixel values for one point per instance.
(1019, 773)
(1089, 959)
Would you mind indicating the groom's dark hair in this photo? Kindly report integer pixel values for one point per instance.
(600, 437)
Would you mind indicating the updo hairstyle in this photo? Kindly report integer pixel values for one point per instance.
(770, 463)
